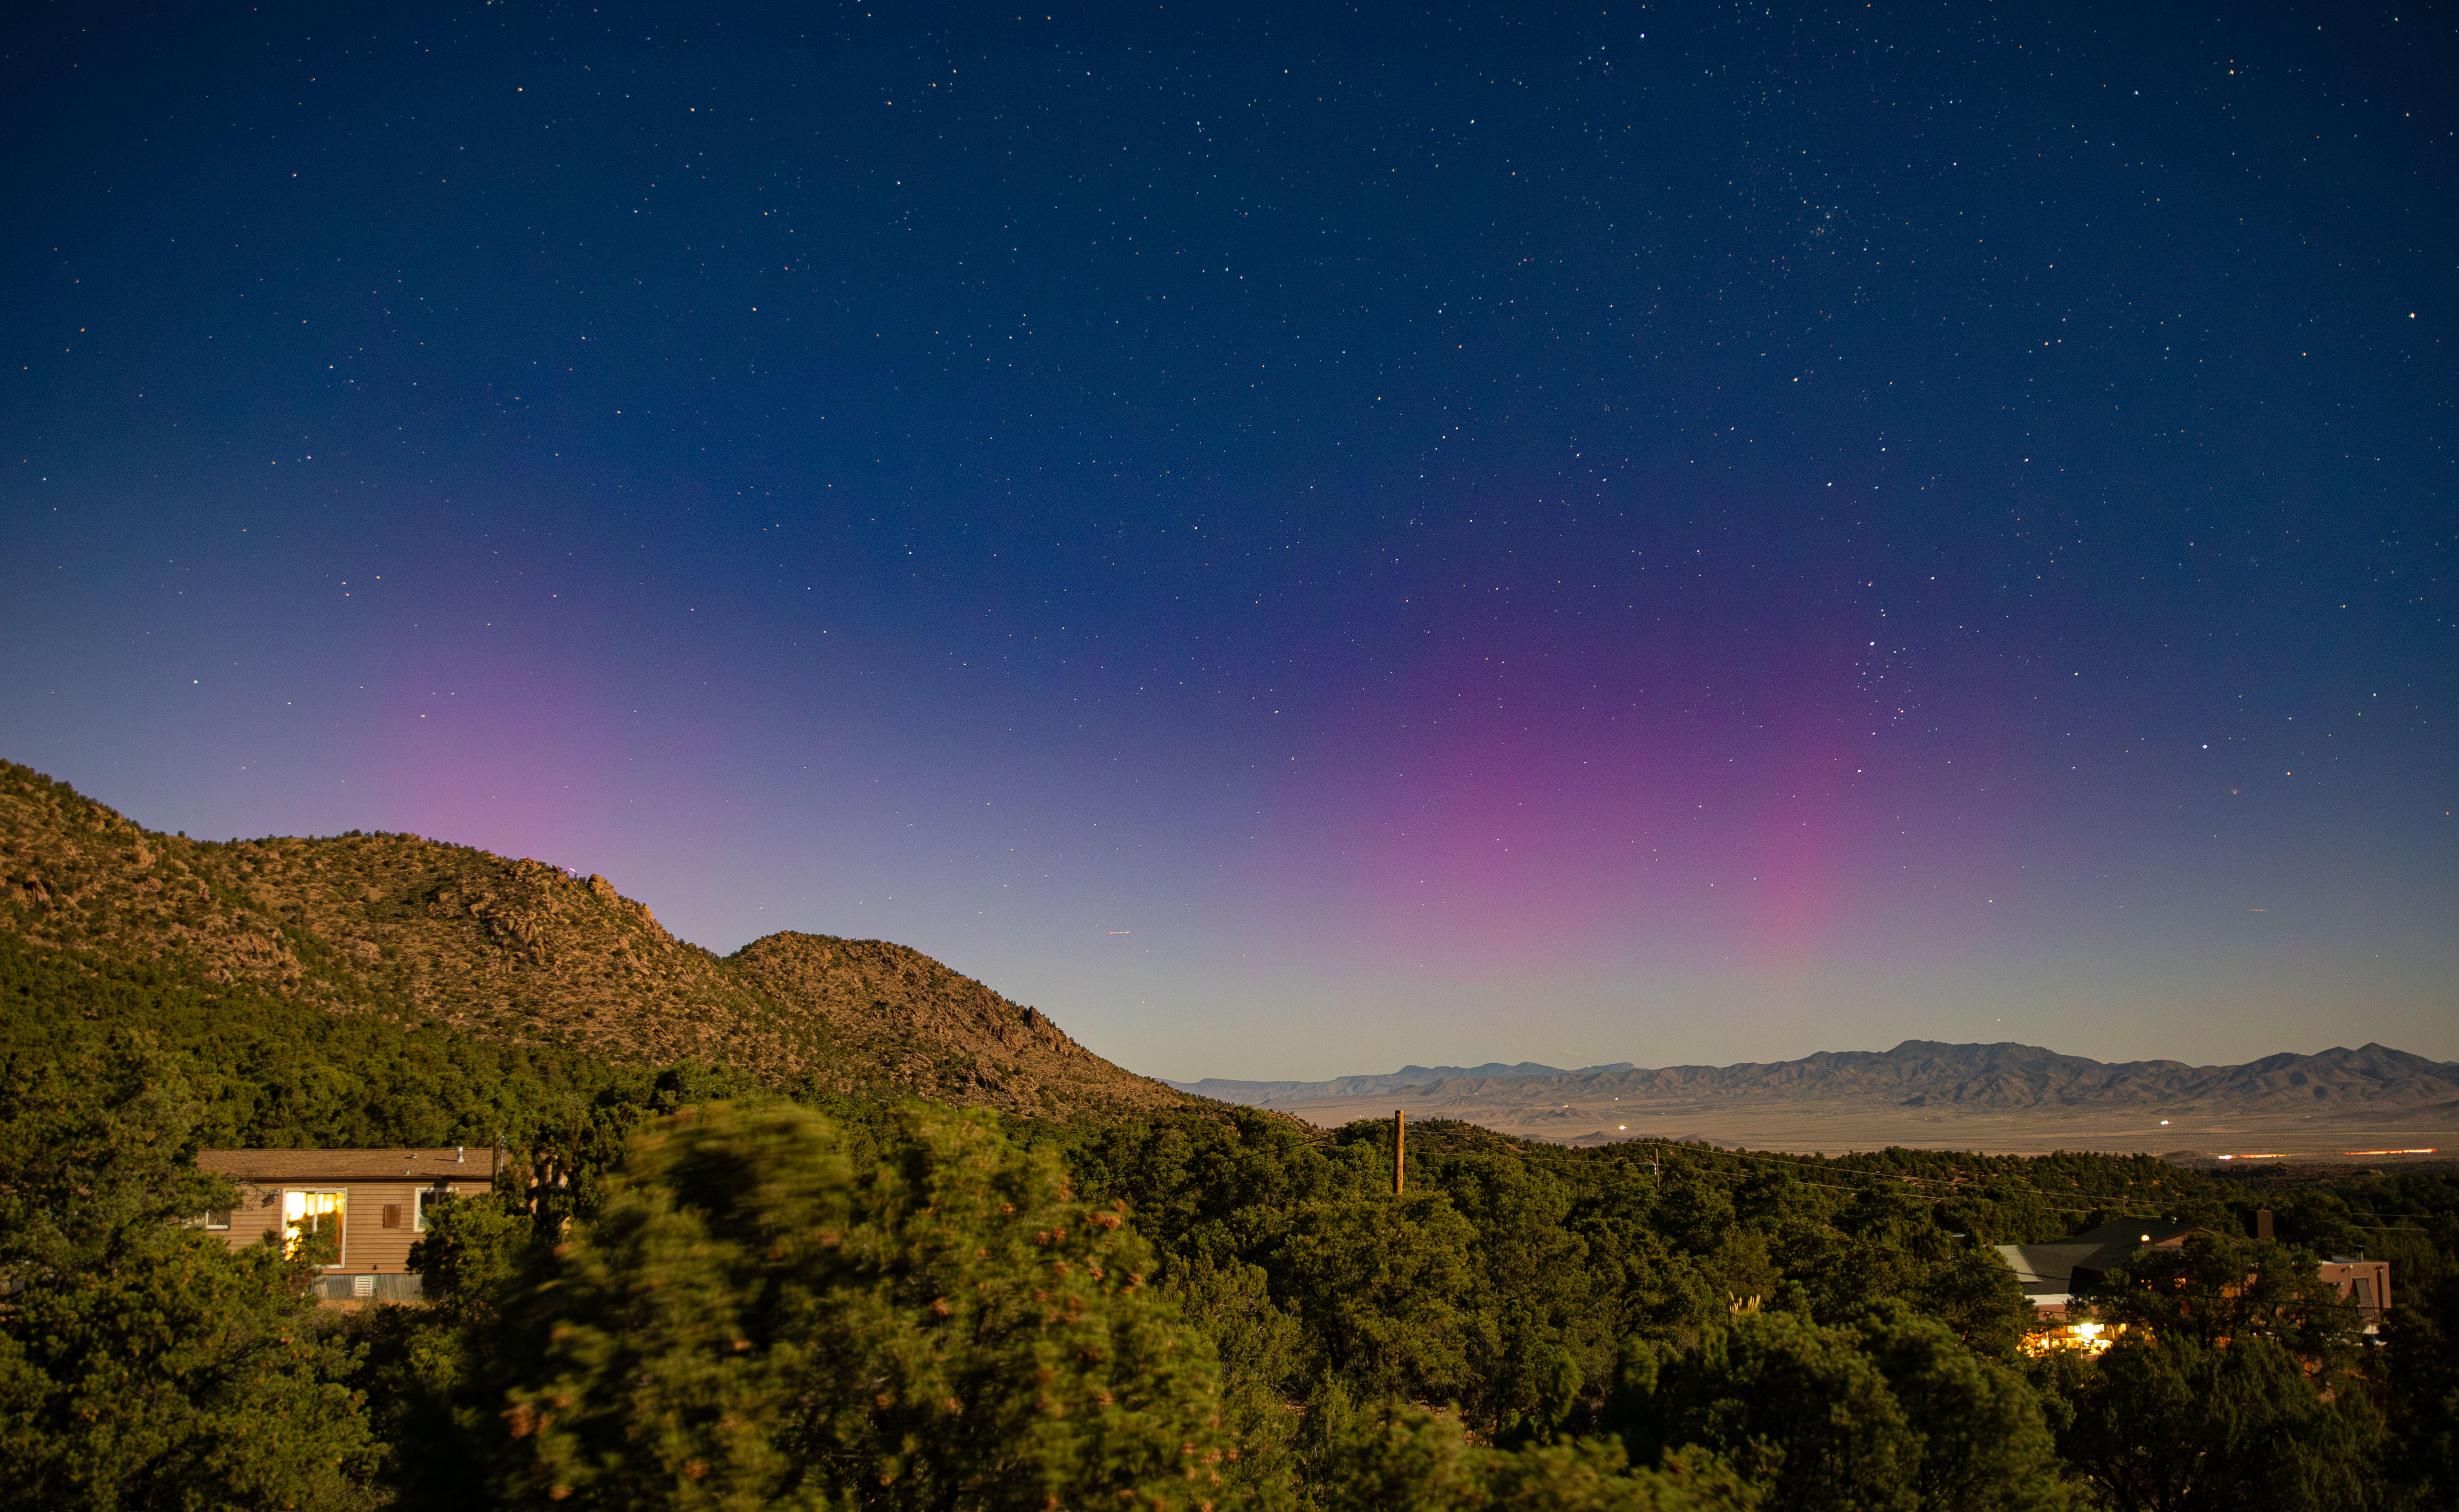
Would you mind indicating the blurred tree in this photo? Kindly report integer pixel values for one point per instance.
(753, 1321)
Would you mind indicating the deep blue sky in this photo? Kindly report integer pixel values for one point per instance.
(1297, 540)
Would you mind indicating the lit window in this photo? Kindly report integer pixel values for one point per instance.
(311, 1212)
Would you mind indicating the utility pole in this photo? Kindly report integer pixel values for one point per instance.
(1399, 1150)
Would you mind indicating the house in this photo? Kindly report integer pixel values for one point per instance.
(376, 1201)
(2053, 1276)
(2364, 1282)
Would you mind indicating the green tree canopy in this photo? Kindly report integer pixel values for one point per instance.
(2169, 1422)
(1892, 1413)
(142, 1364)
(756, 1321)
(2215, 1287)
(1414, 1461)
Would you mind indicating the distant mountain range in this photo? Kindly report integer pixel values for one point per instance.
(1918, 1074)
(521, 950)
(1255, 1094)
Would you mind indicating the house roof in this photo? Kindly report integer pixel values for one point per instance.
(2133, 1232)
(2050, 1268)
(445, 1164)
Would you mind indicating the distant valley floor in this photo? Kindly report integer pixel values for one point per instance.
(1833, 1129)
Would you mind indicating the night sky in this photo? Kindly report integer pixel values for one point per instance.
(1297, 540)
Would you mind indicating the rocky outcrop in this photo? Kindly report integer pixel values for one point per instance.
(522, 951)
(897, 1006)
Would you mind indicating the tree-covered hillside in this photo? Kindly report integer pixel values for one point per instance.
(706, 1282)
(519, 952)
(698, 1287)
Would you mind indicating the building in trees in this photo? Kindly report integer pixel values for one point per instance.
(2055, 1274)
(2057, 1277)
(366, 1205)
(2364, 1282)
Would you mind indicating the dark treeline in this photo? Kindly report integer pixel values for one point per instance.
(690, 1290)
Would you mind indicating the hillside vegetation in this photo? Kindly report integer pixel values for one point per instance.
(518, 953)
(824, 1226)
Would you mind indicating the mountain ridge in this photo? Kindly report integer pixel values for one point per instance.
(1408, 1076)
(519, 951)
(2003, 1075)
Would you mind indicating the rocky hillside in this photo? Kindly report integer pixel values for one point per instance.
(519, 951)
